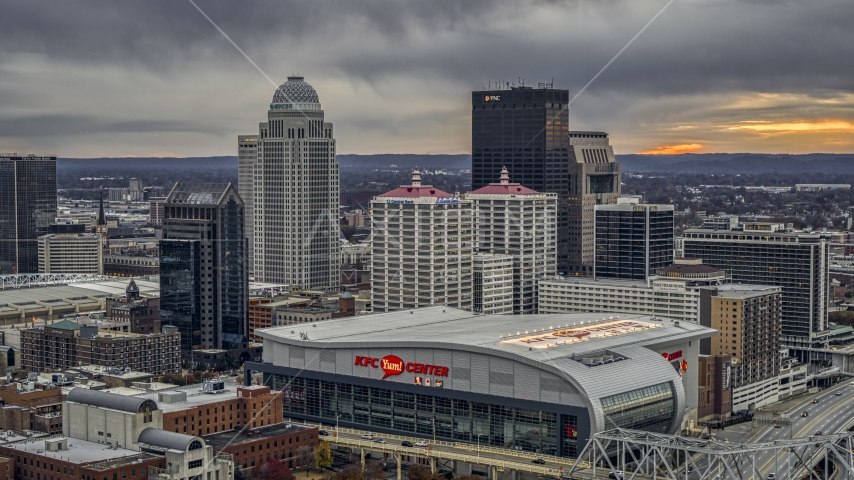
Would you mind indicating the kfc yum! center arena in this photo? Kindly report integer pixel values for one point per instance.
(539, 383)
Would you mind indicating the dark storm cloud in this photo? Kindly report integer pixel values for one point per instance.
(142, 60)
(693, 46)
(66, 125)
(160, 34)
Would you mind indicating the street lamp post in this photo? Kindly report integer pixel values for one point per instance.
(479, 433)
(336, 425)
(434, 428)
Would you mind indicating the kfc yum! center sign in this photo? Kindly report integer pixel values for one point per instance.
(394, 365)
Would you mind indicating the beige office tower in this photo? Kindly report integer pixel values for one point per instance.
(422, 249)
(594, 179)
(70, 252)
(294, 191)
(247, 155)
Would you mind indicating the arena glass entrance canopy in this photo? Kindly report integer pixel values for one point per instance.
(541, 383)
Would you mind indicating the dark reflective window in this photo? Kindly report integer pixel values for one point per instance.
(650, 408)
(501, 426)
(180, 278)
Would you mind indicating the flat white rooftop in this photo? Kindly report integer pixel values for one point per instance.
(195, 397)
(552, 335)
(51, 294)
(79, 451)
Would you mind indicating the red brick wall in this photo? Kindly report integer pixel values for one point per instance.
(257, 407)
(16, 419)
(7, 468)
(26, 463)
(36, 398)
(124, 472)
(282, 447)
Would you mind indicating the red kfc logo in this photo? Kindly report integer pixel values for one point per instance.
(672, 356)
(391, 365)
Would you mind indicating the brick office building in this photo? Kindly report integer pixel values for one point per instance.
(157, 353)
(253, 447)
(52, 347)
(39, 410)
(66, 344)
(81, 460)
(715, 388)
(209, 412)
(142, 313)
(7, 468)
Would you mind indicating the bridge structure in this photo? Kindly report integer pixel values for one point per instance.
(22, 280)
(637, 455)
(644, 455)
(503, 462)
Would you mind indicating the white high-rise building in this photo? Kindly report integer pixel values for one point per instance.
(292, 191)
(422, 253)
(247, 157)
(492, 283)
(514, 220)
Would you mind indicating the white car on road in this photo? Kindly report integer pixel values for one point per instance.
(420, 444)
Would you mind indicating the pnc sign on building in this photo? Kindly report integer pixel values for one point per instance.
(394, 365)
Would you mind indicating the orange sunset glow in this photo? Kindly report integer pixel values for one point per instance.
(822, 126)
(673, 149)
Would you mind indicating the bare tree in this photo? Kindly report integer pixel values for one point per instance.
(304, 457)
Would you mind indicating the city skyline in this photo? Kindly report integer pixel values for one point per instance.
(159, 79)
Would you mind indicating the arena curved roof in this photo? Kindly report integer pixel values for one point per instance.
(598, 355)
(122, 403)
(166, 439)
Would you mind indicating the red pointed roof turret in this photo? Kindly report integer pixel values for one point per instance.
(416, 190)
(505, 176)
(504, 187)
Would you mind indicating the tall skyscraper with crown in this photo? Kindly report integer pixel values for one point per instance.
(289, 176)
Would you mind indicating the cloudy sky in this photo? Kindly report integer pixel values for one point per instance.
(155, 78)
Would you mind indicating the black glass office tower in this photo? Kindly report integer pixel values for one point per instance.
(204, 279)
(181, 289)
(27, 208)
(633, 240)
(526, 129)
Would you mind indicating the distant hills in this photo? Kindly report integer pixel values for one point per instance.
(143, 163)
(405, 161)
(739, 163)
(230, 162)
(709, 163)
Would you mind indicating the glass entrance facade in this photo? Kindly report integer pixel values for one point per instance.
(651, 409)
(428, 415)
